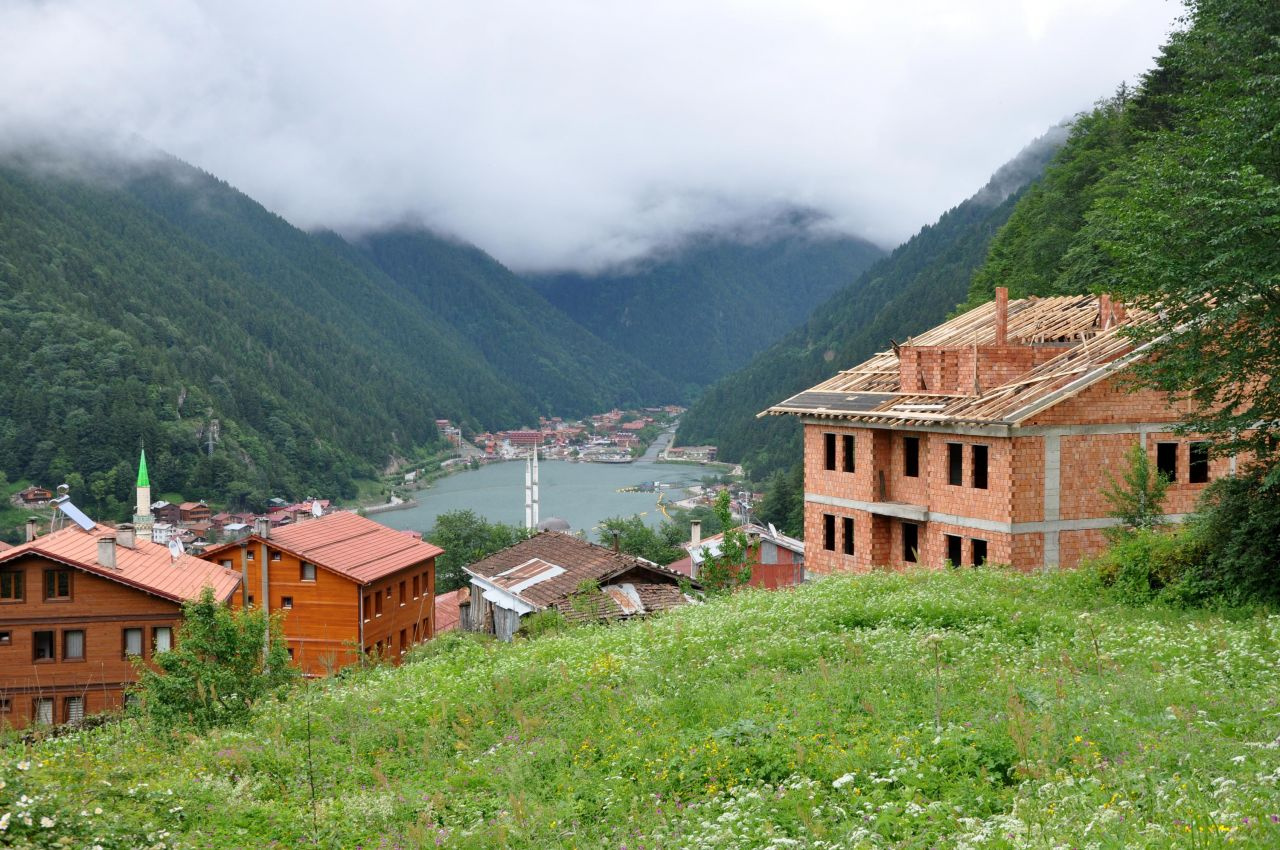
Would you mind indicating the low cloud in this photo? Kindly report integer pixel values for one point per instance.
(573, 134)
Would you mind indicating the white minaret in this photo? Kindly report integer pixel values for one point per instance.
(143, 522)
(528, 493)
(536, 518)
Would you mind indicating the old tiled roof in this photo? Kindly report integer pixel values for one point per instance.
(550, 567)
(447, 615)
(872, 392)
(148, 566)
(615, 602)
(348, 544)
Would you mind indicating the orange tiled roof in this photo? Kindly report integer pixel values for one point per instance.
(148, 566)
(348, 544)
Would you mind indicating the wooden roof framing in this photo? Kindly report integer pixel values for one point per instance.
(872, 391)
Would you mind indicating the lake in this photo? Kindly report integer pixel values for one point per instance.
(581, 493)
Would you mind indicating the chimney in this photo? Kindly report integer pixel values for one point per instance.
(617, 540)
(1002, 315)
(262, 527)
(695, 532)
(33, 526)
(107, 551)
(125, 535)
(1117, 311)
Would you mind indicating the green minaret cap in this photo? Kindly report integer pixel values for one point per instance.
(143, 481)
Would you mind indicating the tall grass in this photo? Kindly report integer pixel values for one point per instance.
(957, 709)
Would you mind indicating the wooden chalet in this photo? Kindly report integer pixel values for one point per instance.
(193, 513)
(35, 495)
(345, 582)
(556, 571)
(76, 605)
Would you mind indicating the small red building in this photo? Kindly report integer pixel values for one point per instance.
(987, 438)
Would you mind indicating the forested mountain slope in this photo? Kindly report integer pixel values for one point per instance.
(701, 310)
(912, 289)
(1177, 177)
(142, 301)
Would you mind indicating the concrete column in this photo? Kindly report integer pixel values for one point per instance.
(1052, 496)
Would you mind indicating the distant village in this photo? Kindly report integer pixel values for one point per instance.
(617, 436)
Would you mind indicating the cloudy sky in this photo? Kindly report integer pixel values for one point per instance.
(574, 133)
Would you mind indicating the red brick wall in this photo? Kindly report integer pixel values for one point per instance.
(1110, 402)
(1028, 485)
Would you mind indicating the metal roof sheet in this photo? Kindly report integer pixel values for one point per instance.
(348, 544)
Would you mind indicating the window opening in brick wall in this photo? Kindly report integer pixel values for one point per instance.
(44, 711)
(848, 534)
(911, 457)
(955, 549)
(955, 464)
(6, 638)
(979, 473)
(979, 552)
(6, 705)
(403, 598)
(73, 710)
(910, 542)
(848, 453)
(416, 586)
(377, 604)
(829, 451)
(1198, 469)
(829, 532)
(1167, 460)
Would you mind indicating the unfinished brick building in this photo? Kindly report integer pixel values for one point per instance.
(987, 438)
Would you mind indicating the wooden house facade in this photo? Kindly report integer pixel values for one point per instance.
(76, 606)
(348, 585)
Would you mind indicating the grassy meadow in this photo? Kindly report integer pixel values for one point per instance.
(959, 709)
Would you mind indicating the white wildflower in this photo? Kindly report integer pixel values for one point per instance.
(47, 822)
(842, 781)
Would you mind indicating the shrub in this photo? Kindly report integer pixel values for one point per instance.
(216, 670)
(1235, 534)
(1142, 563)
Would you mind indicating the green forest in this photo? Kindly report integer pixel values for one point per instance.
(142, 302)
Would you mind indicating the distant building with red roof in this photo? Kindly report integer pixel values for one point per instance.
(345, 583)
(76, 605)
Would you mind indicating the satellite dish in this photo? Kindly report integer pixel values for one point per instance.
(175, 548)
(316, 509)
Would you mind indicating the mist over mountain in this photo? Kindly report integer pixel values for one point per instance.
(911, 289)
(702, 309)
